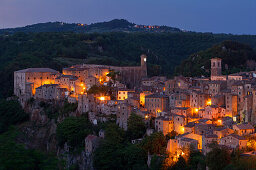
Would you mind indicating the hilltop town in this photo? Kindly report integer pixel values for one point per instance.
(200, 111)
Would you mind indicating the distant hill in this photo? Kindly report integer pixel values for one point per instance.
(116, 25)
(235, 57)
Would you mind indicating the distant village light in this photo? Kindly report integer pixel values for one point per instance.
(102, 98)
(234, 119)
(182, 129)
(209, 102)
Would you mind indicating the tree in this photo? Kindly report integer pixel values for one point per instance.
(119, 156)
(11, 113)
(154, 144)
(196, 160)
(16, 156)
(73, 130)
(98, 90)
(114, 134)
(181, 164)
(136, 126)
(171, 135)
(218, 158)
(156, 162)
(113, 75)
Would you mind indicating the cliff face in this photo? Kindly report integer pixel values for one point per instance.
(40, 133)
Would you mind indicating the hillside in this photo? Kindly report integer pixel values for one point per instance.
(57, 50)
(235, 57)
(116, 25)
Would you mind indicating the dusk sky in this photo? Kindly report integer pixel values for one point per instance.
(218, 16)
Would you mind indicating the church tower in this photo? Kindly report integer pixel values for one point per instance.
(215, 67)
(143, 64)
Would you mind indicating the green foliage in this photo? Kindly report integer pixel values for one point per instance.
(53, 111)
(136, 126)
(156, 162)
(196, 161)
(68, 107)
(119, 156)
(11, 113)
(234, 54)
(114, 147)
(218, 158)
(100, 90)
(244, 163)
(113, 75)
(73, 130)
(114, 134)
(171, 135)
(181, 164)
(15, 156)
(154, 144)
(113, 25)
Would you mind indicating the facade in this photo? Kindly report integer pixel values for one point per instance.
(216, 69)
(234, 141)
(26, 81)
(123, 113)
(156, 103)
(164, 124)
(47, 91)
(243, 129)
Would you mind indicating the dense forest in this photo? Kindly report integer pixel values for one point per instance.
(56, 50)
(235, 57)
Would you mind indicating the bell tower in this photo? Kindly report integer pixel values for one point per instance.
(143, 65)
(216, 67)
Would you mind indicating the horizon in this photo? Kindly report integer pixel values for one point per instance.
(229, 16)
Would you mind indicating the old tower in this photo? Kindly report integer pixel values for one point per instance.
(215, 67)
(143, 62)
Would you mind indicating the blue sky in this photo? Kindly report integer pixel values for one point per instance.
(218, 16)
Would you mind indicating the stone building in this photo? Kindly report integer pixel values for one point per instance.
(243, 129)
(123, 113)
(234, 141)
(47, 91)
(156, 103)
(83, 104)
(164, 124)
(131, 75)
(26, 81)
(216, 69)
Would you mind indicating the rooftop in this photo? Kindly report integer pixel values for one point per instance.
(245, 126)
(40, 70)
(156, 96)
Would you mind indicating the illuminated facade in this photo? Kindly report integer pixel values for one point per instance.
(26, 81)
(156, 103)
